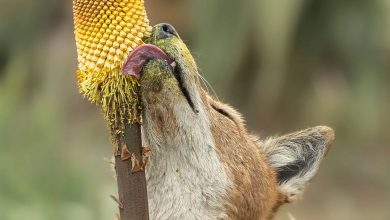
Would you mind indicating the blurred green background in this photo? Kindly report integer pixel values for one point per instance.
(286, 65)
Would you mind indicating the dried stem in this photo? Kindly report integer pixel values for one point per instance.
(131, 185)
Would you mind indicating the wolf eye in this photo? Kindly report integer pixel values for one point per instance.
(222, 112)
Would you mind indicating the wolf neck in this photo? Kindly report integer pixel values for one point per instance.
(185, 177)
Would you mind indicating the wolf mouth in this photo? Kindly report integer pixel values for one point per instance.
(178, 73)
(143, 54)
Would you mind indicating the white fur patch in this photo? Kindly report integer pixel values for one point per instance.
(184, 175)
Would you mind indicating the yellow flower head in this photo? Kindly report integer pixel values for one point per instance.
(106, 32)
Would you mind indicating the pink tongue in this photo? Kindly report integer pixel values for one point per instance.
(139, 56)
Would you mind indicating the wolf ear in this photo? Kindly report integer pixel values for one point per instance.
(296, 157)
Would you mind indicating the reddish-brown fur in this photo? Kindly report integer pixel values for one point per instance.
(254, 194)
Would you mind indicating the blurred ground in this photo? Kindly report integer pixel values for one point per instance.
(286, 65)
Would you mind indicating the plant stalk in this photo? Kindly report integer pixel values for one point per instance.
(132, 191)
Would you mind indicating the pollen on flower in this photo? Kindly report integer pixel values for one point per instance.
(106, 32)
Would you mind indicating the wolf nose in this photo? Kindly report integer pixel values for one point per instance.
(165, 31)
